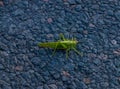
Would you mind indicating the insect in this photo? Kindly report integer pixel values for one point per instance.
(62, 43)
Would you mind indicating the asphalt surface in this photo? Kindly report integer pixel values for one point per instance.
(94, 23)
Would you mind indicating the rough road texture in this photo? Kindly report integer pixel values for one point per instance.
(94, 23)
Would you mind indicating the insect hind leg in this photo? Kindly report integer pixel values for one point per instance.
(81, 54)
(55, 48)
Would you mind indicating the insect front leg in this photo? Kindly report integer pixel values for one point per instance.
(67, 50)
(55, 48)
(81, 54)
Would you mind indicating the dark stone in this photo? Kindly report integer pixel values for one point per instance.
(40, 87)
(78, 1)
(104, 84)
(64, 78)
(6, 86)
(1, 67)
(13, 29)
(56, 75)
(3, 47)
(53, 86)
(69, 67)
(117, 15)
(61, 20)
(78, 8)
(110, 12)
(80, 29)
(47, 30)
(36, 61)
(18, 12)
(72, 2)
(97, 62)
(81, 84)
(46, 87)
(35, 7)
(59, 1)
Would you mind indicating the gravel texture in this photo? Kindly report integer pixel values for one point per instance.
(94, 23)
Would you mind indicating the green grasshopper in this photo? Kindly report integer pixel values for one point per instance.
(62, 43)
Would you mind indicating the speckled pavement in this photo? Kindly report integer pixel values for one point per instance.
(94, 23)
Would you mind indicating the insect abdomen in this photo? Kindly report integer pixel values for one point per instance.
(47, 44)
(58, 45)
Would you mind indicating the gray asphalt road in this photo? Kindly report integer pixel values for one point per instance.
(94, 23)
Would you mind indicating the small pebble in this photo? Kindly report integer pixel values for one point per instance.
(1, 3)
(114, 42)
(53, 86)
(40, 87)
(49, 20)
(71, 1)
(117, 14)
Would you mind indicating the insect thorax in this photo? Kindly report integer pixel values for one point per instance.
(69, 43)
